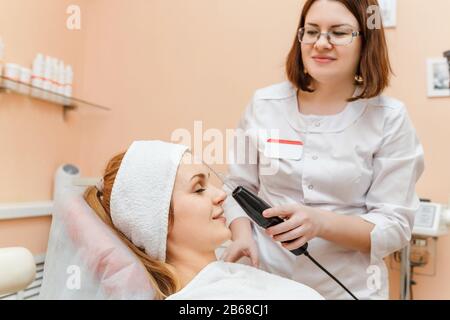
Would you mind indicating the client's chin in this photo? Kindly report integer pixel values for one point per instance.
(221, 235)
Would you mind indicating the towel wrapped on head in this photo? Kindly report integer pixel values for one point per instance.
(142, 192)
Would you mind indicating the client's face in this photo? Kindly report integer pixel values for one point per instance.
(199, 223)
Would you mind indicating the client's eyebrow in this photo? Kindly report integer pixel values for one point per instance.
(201, 176)
(333, 26)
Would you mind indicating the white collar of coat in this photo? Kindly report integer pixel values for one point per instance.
(321, 124)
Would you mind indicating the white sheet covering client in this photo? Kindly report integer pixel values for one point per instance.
(162, 206)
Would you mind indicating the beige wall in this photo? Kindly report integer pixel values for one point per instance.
(34, 139)
(161, 65)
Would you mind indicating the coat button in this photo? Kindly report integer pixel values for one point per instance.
(318, 124)
(310, 187)
(315, 157)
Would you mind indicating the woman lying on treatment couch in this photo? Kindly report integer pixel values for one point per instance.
(164, 209)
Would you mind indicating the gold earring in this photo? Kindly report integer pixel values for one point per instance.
(359, 79)
(305, 71)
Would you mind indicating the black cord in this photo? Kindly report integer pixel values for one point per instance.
(325, 270)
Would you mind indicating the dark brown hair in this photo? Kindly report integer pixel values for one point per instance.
(374, 66)
(160, 276)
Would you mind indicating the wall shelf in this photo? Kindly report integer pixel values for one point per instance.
(68, 103)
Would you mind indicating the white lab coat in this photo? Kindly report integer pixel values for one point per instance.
(233, 281)
(363, 161)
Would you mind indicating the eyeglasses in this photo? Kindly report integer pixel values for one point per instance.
(338, 36)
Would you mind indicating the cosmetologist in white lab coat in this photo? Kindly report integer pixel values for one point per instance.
(363, 161)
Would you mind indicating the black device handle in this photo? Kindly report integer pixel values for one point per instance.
(254, 207)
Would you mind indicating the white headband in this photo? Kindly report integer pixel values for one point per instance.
(142, 191)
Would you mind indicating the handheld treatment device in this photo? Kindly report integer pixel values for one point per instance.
(254, 207)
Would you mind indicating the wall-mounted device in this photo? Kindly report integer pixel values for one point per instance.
(432, 220)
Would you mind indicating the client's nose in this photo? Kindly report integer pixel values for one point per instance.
(219, 196)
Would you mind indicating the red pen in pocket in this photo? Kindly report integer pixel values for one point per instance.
(284, 149)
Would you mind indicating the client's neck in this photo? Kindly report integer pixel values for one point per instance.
(188, 263)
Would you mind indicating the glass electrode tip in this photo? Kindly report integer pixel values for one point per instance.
(222, 177)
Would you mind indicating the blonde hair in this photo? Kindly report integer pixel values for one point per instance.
(160, 275)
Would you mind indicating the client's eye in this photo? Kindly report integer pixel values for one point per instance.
(200, 190)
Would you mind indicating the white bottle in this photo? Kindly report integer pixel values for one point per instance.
(53, 74)
(68, 82)
(38, 71)
(48, 66)
(25, 79)
(12, 76)
(2, 56)
(61, 78)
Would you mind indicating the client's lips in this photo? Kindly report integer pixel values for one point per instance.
(218, 215)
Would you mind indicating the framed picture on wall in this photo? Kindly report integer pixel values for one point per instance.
(438, 77)
(388, 11)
